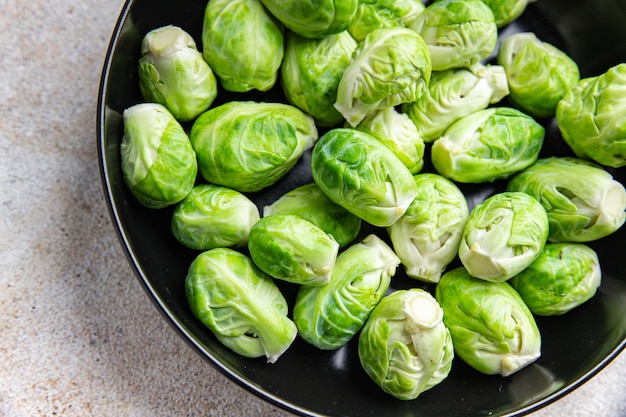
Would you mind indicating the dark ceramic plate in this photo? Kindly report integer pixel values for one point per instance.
(308, 381)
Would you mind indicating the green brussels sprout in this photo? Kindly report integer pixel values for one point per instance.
(289, 248)
(492, 329)
(158, 162)
(590, 117)
(398, 133)
(488, 145)
(243, 44)
(314, 18)
(311, 71)
(583, 201)
(378, 14)
(453, 94)
(328, 316)
(390, 66)
(405, 346)
(309, 202)
(172, 72)
(503, 235)
(363, 176)
(458, 33)
(564, 276)
(247, 145)
(538, 73)
(240, 304)
(212, 216)
(427, 237)
(506, 11)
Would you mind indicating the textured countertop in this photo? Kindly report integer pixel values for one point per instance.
(78, 335)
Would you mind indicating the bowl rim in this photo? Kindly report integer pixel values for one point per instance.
(135, 264)
(169, 316)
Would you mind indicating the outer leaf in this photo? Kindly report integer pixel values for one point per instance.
(503, 235)
(591, 119)
(240, 304)
(311, 71)
(538, 73)
(583, 201)
(211, 216)
(309, 202)
(459, 33)
(427, 236)
(329, 316)
(453, 94)
(243, 44)
(172, 72)
(314, 18)
(488, 145)
(363, 176)
(158, 162)
(404, 346)
(564, 276)
(289, 248)
(377, 14)
(248, 146)
(390, 67)
(507, 11)
(398, 133)
(492, 329)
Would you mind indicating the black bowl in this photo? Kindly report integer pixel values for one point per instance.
(308, 381)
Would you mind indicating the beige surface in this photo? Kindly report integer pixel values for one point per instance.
(78, 336)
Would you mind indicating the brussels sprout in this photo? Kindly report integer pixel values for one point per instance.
(404, 346)
(564, 276)
(453, 94)
(492, 329)
(390, 66)
(583, 201)
(212, 216)
(172, 72)
(289, 248)
(311, 72)
(458, 33)
(398, 133)
(247, 145)
(590, 117)
(158, 162)
(240, 304)
(538, 73)
(426, 238)
(309, 202)
(503, 235)
(243, 44)
(377, 14)
(363, 176)
(328, 316)
(487, 145)
(506, 11)
(314, 18)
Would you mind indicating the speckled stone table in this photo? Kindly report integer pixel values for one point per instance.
(78, 335)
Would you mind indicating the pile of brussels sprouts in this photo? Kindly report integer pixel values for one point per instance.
(388, 84)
